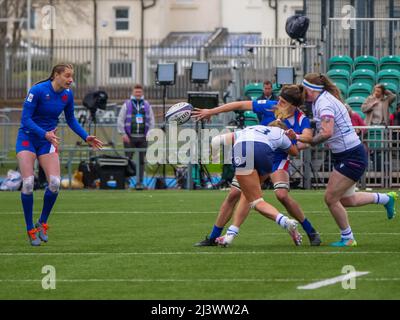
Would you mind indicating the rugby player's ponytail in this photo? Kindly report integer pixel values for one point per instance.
(58, 68)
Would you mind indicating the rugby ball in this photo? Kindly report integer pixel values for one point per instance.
(179, 112)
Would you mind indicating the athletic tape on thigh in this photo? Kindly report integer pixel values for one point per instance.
(235, 184)
(255, 202)
(28, 184)
(281, 185)
(350, 191)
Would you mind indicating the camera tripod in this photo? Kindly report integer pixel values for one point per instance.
(204, 174)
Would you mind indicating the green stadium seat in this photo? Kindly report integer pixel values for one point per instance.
(250, 118)
(360, 89)
(341, 62)
(363, 76)
(339, 76)
(276, 89)
(389, 76)
(254, 90)
(366, 62)
(343, 89)
(355, 102)
(390, 62)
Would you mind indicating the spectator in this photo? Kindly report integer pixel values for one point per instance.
(376, 107)
(395, 121)
(356, 121)
(267, 92)
(135, 120)
(395, 117)
(267, 95)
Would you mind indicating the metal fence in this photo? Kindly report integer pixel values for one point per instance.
(114, 65)
(373, 29)
(382, 144)
(363, 36)
(383, 148)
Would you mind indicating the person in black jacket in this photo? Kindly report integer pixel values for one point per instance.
(267, 94)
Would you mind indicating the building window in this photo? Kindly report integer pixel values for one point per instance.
(121, 70)
(121, 19)
(299, 12)
(33, 20)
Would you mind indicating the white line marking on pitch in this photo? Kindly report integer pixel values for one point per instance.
(188, 280)
(328, 282)
(220, 252)
(168, 212)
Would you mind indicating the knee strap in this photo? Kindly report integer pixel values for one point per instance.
(281, 185)
(27, 185)
(235, 184)
(54, 184)
(255, 202)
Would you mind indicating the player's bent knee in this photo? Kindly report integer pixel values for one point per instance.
(28, 184)
(54, 184)
(348, 202)
(330, 199)
(282, 195)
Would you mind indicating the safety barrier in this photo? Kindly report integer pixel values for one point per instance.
(310, 170)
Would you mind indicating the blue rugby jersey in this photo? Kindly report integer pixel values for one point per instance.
(298, 122)
(42, 109)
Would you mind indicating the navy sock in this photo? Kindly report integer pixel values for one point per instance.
(48, 203)
(307, 226)
(27, 205)
(216, 232)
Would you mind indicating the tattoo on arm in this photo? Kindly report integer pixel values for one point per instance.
(322, 135)
(319, 138)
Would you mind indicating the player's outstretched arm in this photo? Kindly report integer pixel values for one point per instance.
(205, 114)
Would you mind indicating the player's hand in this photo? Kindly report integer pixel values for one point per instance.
(95, 143)
(291, 134)
(125, 138)
(201, 114)
(52, 138)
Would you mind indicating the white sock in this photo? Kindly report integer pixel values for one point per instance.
(281, 220)
(347, 234)
(381, 198)
(232, 230)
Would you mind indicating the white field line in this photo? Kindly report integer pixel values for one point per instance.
(171, 212)
(328, 282)
(283, 280)
(199, 253)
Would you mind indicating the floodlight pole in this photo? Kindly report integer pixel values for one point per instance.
(29, 57)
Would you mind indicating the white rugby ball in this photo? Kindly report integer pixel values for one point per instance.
(179, 112)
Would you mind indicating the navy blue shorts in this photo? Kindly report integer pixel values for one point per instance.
(38, 146)
(249, 155)
(351, 163)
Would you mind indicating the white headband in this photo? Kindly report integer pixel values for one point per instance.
(315, 87)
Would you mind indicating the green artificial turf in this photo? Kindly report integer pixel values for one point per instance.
(139, 245)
